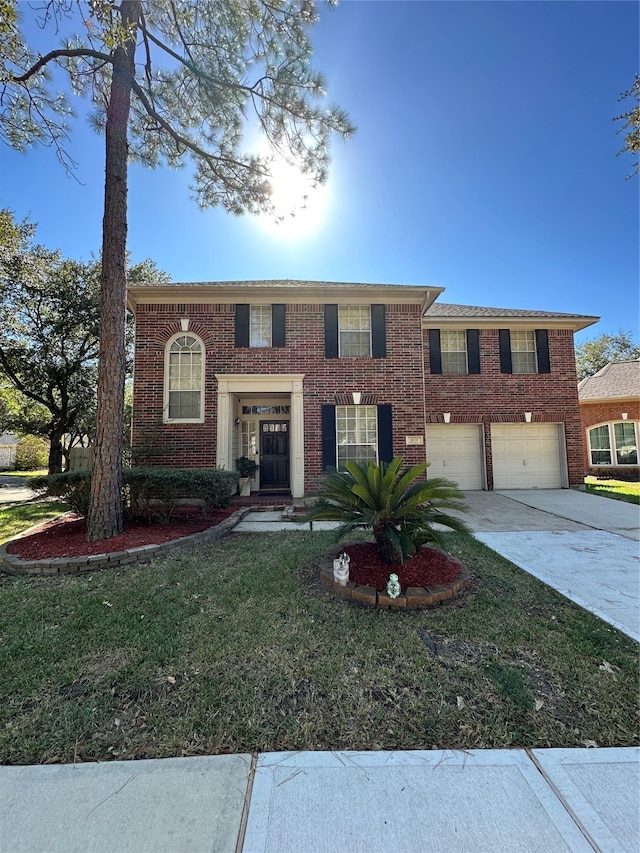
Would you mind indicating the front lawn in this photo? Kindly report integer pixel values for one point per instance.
(14, 519)
(620, 490)
(236, 647)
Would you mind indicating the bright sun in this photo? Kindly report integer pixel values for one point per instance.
(299, 206)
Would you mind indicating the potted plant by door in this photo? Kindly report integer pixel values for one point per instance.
(247, 469)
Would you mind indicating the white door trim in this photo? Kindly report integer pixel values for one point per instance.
(262, 383)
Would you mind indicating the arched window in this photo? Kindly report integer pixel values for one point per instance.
(614, 444)
(184, 379)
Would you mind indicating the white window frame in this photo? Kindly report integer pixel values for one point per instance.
(249, 438)
(453, 342)
(613, 448)
(523, 351)
(356, 427)
(260, 326)
(354, 320)
(168, 390)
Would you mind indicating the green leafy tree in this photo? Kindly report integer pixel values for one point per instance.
(49, 339)
(631, 126)
(592, 355)
(398, 505)
(169, 80)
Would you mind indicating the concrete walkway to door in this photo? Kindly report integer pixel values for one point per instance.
(583, 545)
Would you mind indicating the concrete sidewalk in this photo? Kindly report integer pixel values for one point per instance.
(477, 801)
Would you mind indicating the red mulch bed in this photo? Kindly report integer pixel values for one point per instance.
(66, 537)
(428, 567)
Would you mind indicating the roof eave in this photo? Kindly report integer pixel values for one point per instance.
(325, 292)
(575, 323)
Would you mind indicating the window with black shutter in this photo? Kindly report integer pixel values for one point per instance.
(260, 325)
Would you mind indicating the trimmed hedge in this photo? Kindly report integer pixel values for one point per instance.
(155, 492)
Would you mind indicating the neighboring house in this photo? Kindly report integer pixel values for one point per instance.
(8, 448)
(304, 375)
(610, 413)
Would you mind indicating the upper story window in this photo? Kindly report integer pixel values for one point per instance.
(614, 444)
(524, 351)
(454, 352)
(260, 325)
(355, 331)
(184, 379)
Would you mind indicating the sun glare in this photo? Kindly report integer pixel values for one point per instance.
(299, 206)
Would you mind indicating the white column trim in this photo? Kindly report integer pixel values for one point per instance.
(263, 383)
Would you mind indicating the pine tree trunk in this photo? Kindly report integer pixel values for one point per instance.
(105, 507)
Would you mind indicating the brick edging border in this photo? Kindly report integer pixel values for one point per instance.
(413, 598)
(14, 565)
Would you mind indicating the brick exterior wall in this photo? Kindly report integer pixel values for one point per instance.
(495, 397)
(596, 413)
(396, 379)
(402, 379)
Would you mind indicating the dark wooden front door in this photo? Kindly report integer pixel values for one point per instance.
(274, 455)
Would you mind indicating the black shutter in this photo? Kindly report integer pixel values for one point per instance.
(473, 350)
(278, 334)
(505, 351)
(328, 437)
(378, 332)
(385, 434)
(331, 331)
(435, 354)
(542, 348)
(242, 325)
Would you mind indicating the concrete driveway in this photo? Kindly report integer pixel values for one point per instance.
(583, 545)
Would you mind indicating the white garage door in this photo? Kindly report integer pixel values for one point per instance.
(526, 456)
(455, 451)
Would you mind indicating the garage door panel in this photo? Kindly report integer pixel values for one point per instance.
(454, 451)
(526, 456)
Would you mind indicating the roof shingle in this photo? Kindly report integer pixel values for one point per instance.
(617, 379)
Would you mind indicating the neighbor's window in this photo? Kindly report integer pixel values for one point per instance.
(260, 326)
(453, 349)
(600, 445)
(614, 444)
(354, 331)
(624, 434)
(523, 351)
(356, 433)
(184, 379)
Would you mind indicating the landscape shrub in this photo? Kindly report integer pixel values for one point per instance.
(32, 453)
(74, 488)
(404, 510)
(155, 492)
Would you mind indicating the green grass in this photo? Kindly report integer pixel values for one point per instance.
(16, 518)
(236, 647)
(25, 474)
(620, 490)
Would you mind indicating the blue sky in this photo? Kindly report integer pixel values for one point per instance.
(485, 162)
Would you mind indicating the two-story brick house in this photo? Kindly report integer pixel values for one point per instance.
(304, 375)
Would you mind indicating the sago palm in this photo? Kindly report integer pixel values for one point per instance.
(399, 506)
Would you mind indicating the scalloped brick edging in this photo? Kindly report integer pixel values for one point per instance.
(14, 565)
(413, 598)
